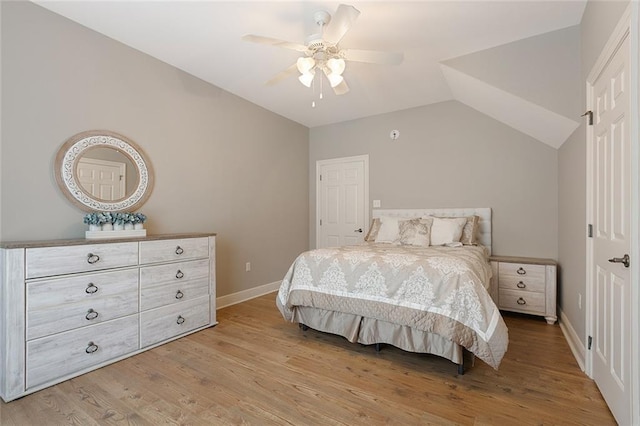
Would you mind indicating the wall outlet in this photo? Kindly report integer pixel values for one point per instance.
(580, 300)
(247, 267)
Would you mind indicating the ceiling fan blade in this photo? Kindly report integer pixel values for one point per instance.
(282, 75)
(341, 88)
(340, 23)
(274, 42)
(373, 56)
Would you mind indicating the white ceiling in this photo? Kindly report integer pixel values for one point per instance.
(203, 38)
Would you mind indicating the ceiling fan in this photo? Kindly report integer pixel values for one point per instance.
(322, 53)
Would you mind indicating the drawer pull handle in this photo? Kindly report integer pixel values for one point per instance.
(91, 288)
(521, 301)
(92, 258)
(521, 271)
(180, 319)
(91, 315)
(179, 295)
(521, 285)
(91, 348)
(179, 274)
(179, 250)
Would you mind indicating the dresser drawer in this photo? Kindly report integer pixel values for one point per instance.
(165, 284)
(522, 301)
(66, 353)
(164, 323)
(56, 305)
(168, 250)
(49, 261)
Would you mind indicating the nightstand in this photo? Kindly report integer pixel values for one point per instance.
(525, 284)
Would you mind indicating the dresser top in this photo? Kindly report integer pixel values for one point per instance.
(527, 260)
(82, 241)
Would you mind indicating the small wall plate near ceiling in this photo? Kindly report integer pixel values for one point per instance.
(395, 134)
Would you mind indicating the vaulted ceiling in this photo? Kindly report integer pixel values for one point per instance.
(472, 51)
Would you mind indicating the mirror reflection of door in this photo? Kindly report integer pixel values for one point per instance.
(102, 179)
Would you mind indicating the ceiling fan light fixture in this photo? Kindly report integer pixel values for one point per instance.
(307, 78)
(305, 65)
(336, 65)
(335, 79)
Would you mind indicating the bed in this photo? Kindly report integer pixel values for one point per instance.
(417, 297)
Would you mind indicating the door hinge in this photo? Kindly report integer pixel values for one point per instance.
(590, 231)
(320, 222)
(590, 340)
(590, 114)
(320, 178)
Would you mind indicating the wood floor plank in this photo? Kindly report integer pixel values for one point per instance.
(256, 368)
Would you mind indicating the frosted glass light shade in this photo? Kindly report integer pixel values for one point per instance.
(306, 78)
(336, 65)
(335, 79)
(305, 65)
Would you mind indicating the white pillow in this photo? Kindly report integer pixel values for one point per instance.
(389, 230)
(445, 231)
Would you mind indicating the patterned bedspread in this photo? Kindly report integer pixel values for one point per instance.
(435, 289)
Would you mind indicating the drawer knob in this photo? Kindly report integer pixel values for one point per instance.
(179, 274)
(91, 288)
(521, 285)
(521, 271)
(179, 295)
(521, 301)
(91, 315)
(179, 250)
(91, 348)
(180, 319)
(92, 258)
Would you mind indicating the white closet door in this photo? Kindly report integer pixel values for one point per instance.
(610, 212)
(342, 201)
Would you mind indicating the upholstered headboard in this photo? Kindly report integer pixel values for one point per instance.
(484, 231)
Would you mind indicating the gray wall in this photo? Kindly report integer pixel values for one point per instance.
(449, 155)
(221, 164)
(598, 21)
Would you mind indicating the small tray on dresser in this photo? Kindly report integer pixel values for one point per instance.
(127, 233)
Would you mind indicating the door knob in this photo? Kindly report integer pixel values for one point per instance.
(624, 260)
(358, 230)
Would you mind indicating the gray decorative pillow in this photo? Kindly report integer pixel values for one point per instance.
(470, 231)
(373, 230)
(415, 232)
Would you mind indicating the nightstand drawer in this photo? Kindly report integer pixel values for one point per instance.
(533, 273)
(522, 301)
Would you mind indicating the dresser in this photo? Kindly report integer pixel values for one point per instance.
(71, 306)
(526, 285)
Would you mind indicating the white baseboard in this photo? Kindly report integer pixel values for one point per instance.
(575, 344)
(244, 295)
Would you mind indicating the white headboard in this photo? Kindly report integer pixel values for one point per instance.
(484, 224)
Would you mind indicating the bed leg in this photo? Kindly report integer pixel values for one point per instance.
(303, 327)
(461, 367)
(378, 347)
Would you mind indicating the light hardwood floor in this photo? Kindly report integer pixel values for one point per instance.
(256, 368)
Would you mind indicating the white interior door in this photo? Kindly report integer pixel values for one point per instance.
(610, 201)
(342, 201)
(101, 178)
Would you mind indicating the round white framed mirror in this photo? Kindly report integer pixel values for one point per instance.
(100, 170)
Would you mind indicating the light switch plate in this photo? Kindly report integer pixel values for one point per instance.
(376, 203)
